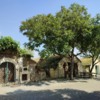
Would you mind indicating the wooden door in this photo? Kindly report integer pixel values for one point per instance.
(10, 72)
(6, 72)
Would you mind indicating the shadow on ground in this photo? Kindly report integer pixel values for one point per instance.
(58, 94)
(40, 83)
(97, 79)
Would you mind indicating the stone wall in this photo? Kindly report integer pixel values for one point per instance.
(56, 73)
(41, 75)
(20, 71)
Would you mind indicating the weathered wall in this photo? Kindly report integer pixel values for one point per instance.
(20, 67)
(96, 69)
(16, 65)
(57, 73)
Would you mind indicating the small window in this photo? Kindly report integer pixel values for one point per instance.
(25, 69)
(24, 77)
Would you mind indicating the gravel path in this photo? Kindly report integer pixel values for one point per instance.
(82, 89)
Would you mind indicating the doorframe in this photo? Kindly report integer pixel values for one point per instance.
(10, 60)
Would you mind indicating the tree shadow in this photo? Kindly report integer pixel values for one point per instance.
(74, 80)
(39, 83)
(97, 78)
(57, 94)
(47, 82)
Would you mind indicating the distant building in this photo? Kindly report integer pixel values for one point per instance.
(87, 64)
(55, 68)
(96, 69)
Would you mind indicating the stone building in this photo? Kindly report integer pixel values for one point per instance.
(54, 66)
(15, 69)
(61, 72)
(96, 69)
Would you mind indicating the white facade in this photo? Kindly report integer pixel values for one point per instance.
(96, 69)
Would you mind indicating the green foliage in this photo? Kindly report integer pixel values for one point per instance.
(45, 54)
(26, 52)
(75, 23)
(7, 43)
(59, 33)
(50, 62)
(92, 47)
(94, 38)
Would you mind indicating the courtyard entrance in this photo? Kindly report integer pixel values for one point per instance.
(7, 72)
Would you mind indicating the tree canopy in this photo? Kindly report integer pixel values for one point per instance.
(58, 33)
(93, 45)
(25, 52)
(61, 33)
(9, 45)
(51, 62)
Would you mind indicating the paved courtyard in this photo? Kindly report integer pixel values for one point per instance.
(80, 89)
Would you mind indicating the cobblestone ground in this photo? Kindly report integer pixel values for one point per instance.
(83, 89)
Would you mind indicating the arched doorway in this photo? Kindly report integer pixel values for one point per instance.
(7, 72)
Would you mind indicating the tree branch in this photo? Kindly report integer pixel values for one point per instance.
(78, 54)
(96, 58)
(96, 62)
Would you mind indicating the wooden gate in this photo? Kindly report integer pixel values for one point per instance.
(6, 72)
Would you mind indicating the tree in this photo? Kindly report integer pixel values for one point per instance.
(76, 23)
(60, 33)
(93, 42)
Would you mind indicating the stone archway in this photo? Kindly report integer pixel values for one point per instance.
(7, 70)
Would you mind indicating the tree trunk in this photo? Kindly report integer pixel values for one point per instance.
(91, 71)
(64, 67)
(92, 67)
(72, 64)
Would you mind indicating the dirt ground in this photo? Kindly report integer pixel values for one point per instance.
(60, 89)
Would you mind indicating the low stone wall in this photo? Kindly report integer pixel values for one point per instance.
(41, 75)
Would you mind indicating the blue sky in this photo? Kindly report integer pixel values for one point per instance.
(13, 12)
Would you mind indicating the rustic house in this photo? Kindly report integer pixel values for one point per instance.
(14, 68)
(87, 64)
(96, 69)
(54, 66)
(16, 64)
(64, 70)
